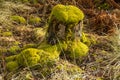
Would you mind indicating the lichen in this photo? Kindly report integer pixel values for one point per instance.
(67, 14)
(12, 65)
(19, 19)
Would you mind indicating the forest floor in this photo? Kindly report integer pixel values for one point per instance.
(102, 21)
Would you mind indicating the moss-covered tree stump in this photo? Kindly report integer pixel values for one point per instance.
(64, 23)
(65, 28)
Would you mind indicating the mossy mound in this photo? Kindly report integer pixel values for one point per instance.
(14, 49)
(67, 14)
(18, 19)
(34, 20)
(12, 65)
(6, 34)
(32, 56)
(75, 49)
(28, 57)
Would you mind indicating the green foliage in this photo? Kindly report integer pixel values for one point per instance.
(67, 14)
(18, 19)
(12, 65)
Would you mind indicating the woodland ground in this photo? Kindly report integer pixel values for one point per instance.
(102, 20)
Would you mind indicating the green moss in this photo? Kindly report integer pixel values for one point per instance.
(48, 58)
(11, 58)
(2, 50)
(6, 34)
(67, 14)
(14, 49)
(31, 45)
(39, 34)
(31, 56)
(12, 65)
(77, 50)
(25, 1)
(18, 19)
(51, 50)
(47, 47)
(33, 1)
(34, 20)
(28, 57)
(88, 39)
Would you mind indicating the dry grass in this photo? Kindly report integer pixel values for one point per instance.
(103, 59)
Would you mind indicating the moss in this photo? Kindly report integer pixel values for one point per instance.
(25, 1)
(88, 39)
(34, 20)
(2, 50)
(11, 58)
(12, 65)
(67, 14)
(18, 19)
(30, 45)
(33, 1)
(6, 34)
(47, 58)
(31, 56)
(76, 50)
(47, 47)
(53, 50)
(14, 49)
(28, 57)
(39, 34)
